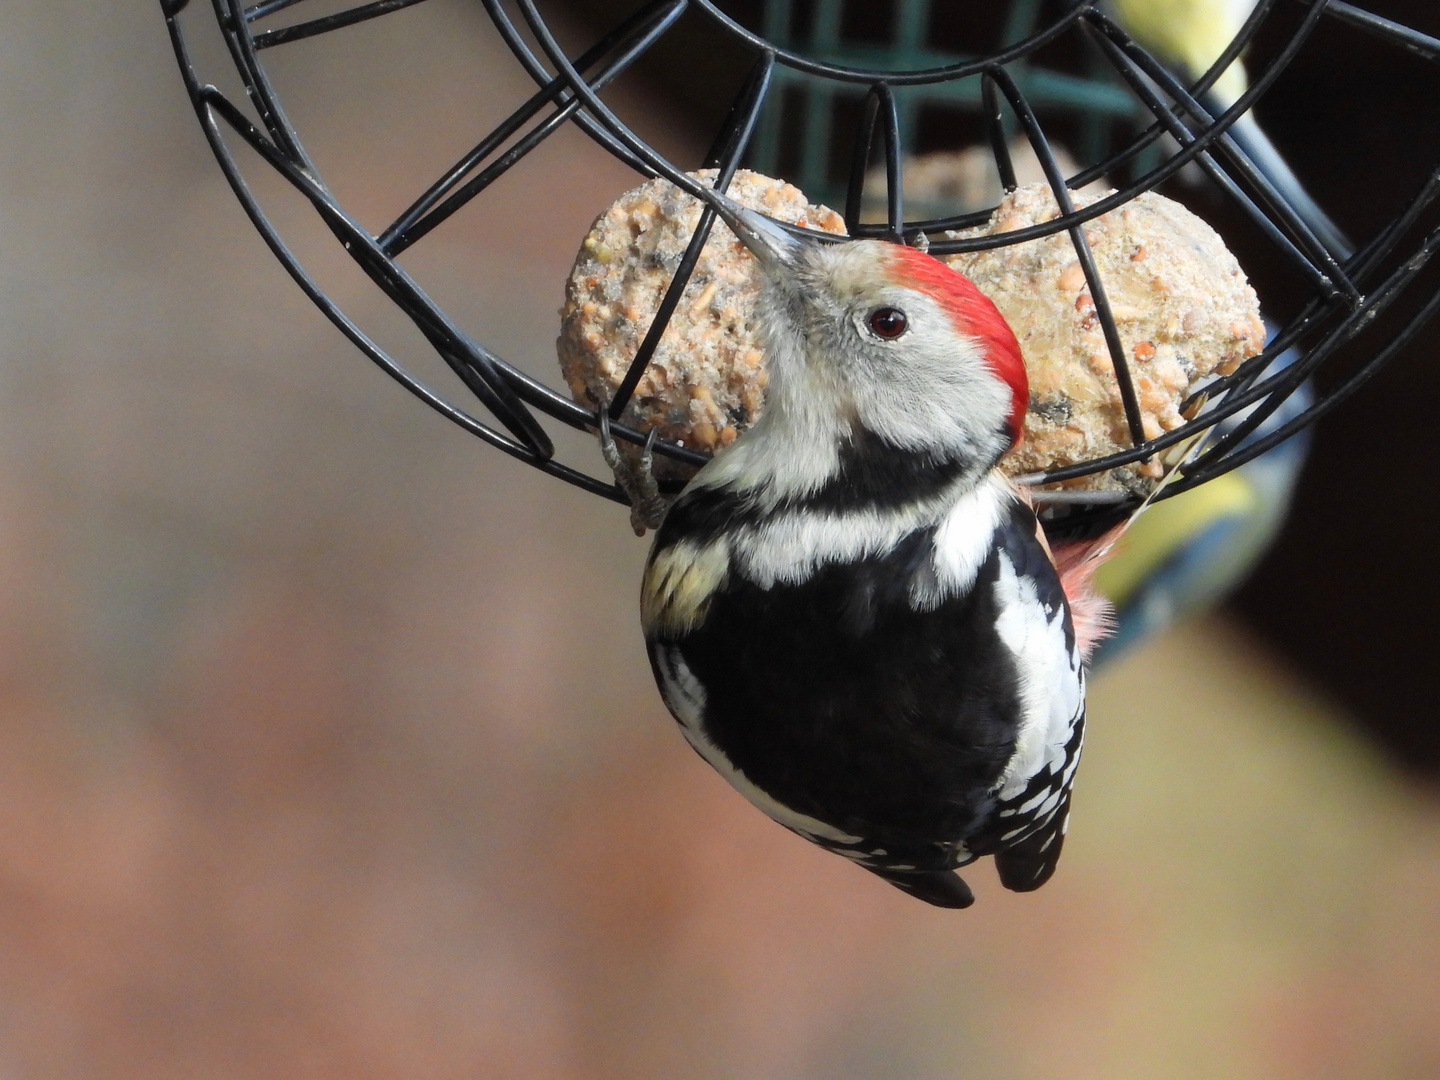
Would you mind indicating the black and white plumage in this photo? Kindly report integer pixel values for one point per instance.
(853, 617)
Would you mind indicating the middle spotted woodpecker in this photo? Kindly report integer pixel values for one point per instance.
(853, 616)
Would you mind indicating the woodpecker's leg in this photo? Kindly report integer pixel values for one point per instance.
(647, 505)
(943, 888)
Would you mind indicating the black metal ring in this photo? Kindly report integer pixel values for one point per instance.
(1384, 283)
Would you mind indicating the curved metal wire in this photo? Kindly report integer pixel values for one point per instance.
(942, 73)
(1347, 293)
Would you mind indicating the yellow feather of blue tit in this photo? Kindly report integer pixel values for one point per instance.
(1187, 552)
(1189, 35)
(1166, 527)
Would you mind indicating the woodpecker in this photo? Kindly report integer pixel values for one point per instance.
(852, 615)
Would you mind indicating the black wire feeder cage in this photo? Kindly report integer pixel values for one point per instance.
(1358, 305)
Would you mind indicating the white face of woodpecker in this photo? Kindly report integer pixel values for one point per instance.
(877, 347)
(867, 341)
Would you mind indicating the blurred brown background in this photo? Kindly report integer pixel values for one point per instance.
(327, 743)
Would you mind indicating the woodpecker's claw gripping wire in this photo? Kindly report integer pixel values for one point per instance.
(647, 505)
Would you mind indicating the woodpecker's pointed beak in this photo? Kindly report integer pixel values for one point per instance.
(768, 242)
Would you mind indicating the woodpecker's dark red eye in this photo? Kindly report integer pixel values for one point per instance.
(888, 322)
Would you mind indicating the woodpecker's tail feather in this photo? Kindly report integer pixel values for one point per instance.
(1028, 865)
(943, 888)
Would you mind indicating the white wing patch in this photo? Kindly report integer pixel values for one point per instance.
(679, 582)
(1052, 684)
(686, 698)
(963, 542)
(788, 548)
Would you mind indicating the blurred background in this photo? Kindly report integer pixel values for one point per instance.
(328, 747)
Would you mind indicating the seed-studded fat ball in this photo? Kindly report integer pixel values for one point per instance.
(1181, 303)
(1183, 307)
(706, 382)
